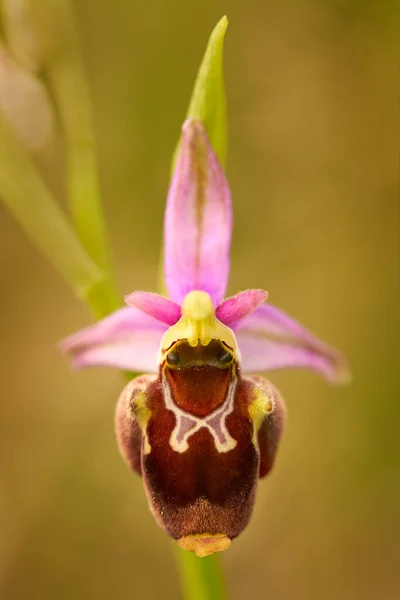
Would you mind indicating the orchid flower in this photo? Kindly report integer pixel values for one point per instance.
(197, 428)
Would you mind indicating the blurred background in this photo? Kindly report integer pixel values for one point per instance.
(313, 172)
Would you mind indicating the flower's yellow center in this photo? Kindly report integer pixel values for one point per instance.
(198, 324)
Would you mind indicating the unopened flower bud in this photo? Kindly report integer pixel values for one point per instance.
(25, 104)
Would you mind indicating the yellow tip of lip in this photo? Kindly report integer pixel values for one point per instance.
(205, 543)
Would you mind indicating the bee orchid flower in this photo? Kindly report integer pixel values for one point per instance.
(197, 427)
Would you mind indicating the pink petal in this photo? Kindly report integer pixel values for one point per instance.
(198, 220)
(236, 308)
(127, 339)
(155, 306)
(269, 339)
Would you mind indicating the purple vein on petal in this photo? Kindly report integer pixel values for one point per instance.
(198, 220)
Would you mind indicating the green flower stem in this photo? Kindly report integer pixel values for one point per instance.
(201, 578)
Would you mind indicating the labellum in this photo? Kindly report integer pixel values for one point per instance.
(199, 432)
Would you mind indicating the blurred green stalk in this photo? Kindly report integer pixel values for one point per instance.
(71, 94)
(201, 578)
(28, 198)
(72, 100)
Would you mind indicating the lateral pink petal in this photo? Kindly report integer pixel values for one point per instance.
(127, 339)
(269, 339)
(198, 220)
(155, 306)
(237, 307)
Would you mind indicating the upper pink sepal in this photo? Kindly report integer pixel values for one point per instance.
(198, 220)
(269, 339)
(156, 306)
(127, 339)
(237, 307)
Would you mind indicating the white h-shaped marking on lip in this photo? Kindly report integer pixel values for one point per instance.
(187, 424)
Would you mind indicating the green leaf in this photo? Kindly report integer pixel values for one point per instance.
(28, 198)
(208, 102)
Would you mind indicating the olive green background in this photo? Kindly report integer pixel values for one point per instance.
(313, 171)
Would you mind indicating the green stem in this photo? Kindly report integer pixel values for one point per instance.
(201, 578)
